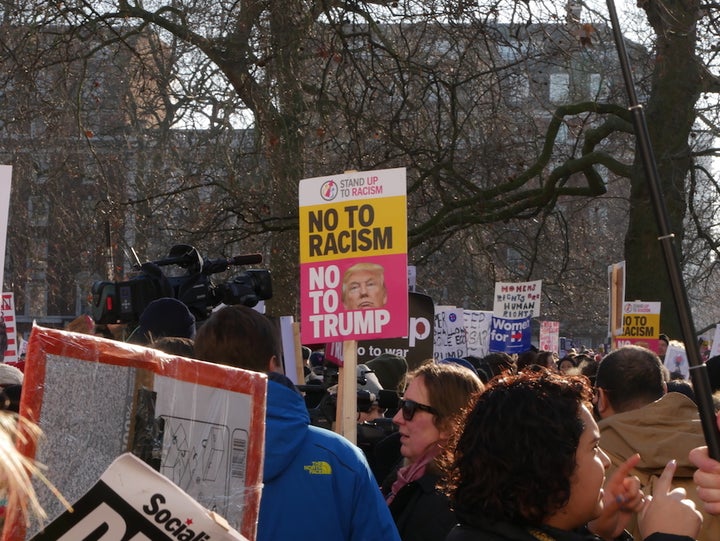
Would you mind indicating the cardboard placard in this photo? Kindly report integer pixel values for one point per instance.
(199, 424)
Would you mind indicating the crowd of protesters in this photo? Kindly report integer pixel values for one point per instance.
(528, 447)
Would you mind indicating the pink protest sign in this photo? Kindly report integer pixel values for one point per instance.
(353, 257)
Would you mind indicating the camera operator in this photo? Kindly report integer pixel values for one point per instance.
(368, 381)
(164, 317)
(375, 406)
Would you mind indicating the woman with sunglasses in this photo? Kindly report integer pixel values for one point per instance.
(434, 400)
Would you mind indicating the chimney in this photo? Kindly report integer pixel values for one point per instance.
(574, 11)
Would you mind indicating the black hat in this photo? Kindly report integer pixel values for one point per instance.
(165, 317)
(390, 370)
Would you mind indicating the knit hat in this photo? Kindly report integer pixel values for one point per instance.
(460, 362)
(165, 317)
(390, 370)
(10, 375)
(317, 358)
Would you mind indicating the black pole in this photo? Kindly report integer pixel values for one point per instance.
(698, 370)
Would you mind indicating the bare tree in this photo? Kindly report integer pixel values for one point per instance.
(445, 89)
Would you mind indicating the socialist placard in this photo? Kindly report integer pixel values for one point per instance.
(353, 256)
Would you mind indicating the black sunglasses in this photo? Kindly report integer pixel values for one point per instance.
(409, 407)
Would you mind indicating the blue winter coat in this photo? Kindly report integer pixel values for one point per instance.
(317, 485)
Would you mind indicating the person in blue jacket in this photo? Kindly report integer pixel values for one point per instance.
(316, 484)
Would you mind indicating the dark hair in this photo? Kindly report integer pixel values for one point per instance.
(494, 364)
(514, 459)
(175, 345)
(570, 358)
(588, 368)
(10, 398)
(683, 387)
(526, 358)
(237, 336)
(632, 377)
(546, 359)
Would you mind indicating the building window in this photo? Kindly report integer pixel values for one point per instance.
(598, 87)
(519, 88)
(559, 87)
(562, 134)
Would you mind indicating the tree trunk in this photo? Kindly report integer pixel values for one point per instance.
(670, 114)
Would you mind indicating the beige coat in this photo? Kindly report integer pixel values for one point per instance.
(666, 429)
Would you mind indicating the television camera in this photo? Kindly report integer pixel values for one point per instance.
(123, 302)
(321, 402)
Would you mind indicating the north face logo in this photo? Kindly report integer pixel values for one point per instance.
(319, 468)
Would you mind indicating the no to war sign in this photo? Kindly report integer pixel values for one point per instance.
(353, 256)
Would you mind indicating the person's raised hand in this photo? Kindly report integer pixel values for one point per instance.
(669, 510)
(621, 498)
(707, 478)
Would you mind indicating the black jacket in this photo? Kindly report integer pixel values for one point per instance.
(503, 531)
(421, 512)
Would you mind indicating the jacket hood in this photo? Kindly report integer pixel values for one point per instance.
(661, 431)
(287, 422)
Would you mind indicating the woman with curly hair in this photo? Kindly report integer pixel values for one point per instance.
(527, 466)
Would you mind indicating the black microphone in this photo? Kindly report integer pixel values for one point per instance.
(246, 259)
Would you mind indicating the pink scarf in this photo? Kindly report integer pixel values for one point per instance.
(411, 472)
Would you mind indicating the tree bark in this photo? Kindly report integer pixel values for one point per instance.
(670, 113)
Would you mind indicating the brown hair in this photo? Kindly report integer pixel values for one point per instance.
(451, 389)
(237, 336)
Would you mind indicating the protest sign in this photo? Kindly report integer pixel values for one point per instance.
(199, 424)
(477, 331)
(640, 325)
(412, 278)
(616, 297)
(5, 182)
(517, 300)
(715, 349)
(353, 257)
(133, 501)
(416, 348)
(549, 336)
(676, 359)
(449, 337)
(8, 329)
(510, 335)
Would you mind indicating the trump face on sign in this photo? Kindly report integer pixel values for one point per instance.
(363, 287)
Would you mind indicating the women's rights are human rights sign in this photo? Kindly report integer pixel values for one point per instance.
(353, 256)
